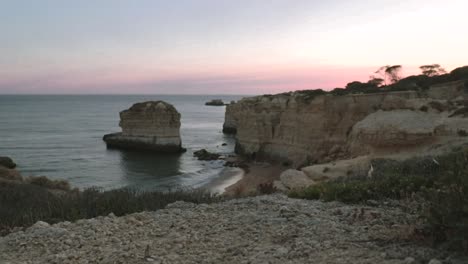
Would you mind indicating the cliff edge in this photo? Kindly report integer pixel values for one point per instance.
(309, 127)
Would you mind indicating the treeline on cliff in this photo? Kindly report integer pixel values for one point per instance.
(388, 78)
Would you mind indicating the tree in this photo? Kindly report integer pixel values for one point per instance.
(394, 73)
(375, 81)
(432, 70)
(390, 73)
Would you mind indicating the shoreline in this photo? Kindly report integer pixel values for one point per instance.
(254, 174)
(227, 177)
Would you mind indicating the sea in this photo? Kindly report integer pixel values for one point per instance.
(60, 136)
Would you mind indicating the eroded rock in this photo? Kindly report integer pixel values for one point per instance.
(203, 154)
(294, 179)
(152, 125)
(7, 162)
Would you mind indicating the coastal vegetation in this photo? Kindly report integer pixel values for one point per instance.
(438, 187)
(23, 204)
(388, 78)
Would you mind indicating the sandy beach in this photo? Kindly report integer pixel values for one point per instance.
(255, 174)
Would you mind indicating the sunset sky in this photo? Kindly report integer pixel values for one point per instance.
(220, 46)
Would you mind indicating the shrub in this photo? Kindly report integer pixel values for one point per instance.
(423, 108)
(442, 182)
(21, 205)
(266, 188)
(48, 183)
(438, 106)
(462, 133)
(459, 73)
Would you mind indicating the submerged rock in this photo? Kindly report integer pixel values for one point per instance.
(152, 125)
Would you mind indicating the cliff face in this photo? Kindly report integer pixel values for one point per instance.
(304, 129)
(153, 125)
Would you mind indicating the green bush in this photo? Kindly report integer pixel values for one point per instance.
(441, 182)
(21, 205)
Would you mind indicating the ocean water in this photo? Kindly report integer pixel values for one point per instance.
(60, 136)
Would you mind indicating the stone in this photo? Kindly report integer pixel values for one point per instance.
(203, 154)
(342, 168)
(7, 162)
(215, 102)
(294, 179)
(152, 125)
(280, 186)
(409, 260)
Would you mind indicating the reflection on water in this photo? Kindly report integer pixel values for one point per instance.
(143, 168)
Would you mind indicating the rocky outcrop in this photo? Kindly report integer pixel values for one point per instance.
(215, 102)
(230, 124)
(293, 179)
(337, 169)
(7, 162)
(153, 125)
(262, 229)
(386, 132)
(204, 154)
(309, 128)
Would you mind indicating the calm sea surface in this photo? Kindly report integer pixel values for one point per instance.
(60, 136)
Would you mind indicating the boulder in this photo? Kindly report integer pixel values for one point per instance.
(343, 168)
(7, 163)
(203, 154)
(294, 179)
(152, 125)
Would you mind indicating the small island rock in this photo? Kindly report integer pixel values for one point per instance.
(203, 154)
(152, 125)
(215, 102)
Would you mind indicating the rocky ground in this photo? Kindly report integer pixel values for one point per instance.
(263, 229)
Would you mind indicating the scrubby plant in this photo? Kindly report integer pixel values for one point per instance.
(441, 183)
(462, 133)
(48, 183)
(21, 205)
(266, 188)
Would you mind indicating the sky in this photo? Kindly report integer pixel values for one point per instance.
(220, 46)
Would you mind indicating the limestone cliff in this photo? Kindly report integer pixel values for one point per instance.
(308, 128)
(153, 125)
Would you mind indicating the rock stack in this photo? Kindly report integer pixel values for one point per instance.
(152, 125)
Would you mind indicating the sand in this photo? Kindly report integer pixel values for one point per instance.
(255, 174)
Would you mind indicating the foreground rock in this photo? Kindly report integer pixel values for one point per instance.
(266, 229)
(153, 125)
(293, 179)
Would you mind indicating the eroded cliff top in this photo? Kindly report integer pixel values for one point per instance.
(152, 106)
